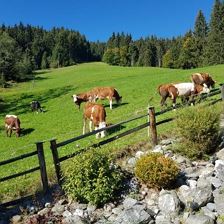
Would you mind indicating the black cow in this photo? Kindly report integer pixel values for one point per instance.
(35, 106)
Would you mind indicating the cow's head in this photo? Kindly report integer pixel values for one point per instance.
(211, 82)
(77, 100)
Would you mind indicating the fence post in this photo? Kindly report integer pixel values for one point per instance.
(222, 92)
(43, 170)
(54, 151)
(152, 125)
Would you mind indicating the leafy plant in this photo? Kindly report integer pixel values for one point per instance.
(155, 170)
(198, 128)
(92, 178)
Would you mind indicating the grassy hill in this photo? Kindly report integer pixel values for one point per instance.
(62, 119)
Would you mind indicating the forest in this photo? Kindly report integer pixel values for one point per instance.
(25, 48)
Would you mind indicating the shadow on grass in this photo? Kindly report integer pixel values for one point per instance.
(22, 105)
(115, 129)
(115, 105)
(26, 131)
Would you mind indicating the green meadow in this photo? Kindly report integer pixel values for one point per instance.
(63, 120)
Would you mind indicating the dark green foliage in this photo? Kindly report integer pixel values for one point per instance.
(155, 170)
(29, 48)
(91, 177)
(198, 128)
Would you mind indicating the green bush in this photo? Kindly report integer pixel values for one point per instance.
(93, 178)
(155, 170)
(198, 128)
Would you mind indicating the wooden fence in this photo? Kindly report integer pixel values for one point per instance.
(55, 146)
(42, 165)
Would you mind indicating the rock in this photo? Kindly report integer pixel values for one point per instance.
(43, 211)
(163, 219)
(220, 154)
(203, 192)
(16, 219)
(138, 154)
(91, 209)
(219, 200)
(192, 184)
(129, 202)
(166, 142)
(211, 207)
(73, 219)
(169, 203)
(185, 194)
(79, 212)
(208, 212)
(133, 216)
(132, 161)
(215, 181)
(199, 219)
(47, 205)
(206, 172)
(66, 214)
(117, 210)
(158, 148)
(219, 169)
(58, 209)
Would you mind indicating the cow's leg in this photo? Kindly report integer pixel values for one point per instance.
(97, 134)
(7, 132)
(84, 125)
(111, 101)
(163, 100)
(90, 125)
(102, 125)
(10, 132)
(174, 103)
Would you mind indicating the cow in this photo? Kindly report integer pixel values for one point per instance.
(12, 123)
(106, 93)
(97, 93)
(96, 114)
(203, 78)
(184, 90)
(82, 97)
(35, 106)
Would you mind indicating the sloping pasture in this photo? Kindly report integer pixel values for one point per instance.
(62, 119)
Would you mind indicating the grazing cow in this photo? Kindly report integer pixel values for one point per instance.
(106, 92)
(203, 78)
(35, 106)
(96, 114)
(82, 97)
(12, 122)
(98, 93)
(184, 90)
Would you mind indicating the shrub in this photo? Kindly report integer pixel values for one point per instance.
(155, 170)
(91, 177)
(198, 128)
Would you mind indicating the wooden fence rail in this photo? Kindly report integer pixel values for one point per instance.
(42, 165)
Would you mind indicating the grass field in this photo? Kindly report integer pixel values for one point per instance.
(62, 119)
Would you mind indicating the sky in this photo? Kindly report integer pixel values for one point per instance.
(98, 19)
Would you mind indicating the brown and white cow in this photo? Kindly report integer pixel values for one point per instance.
(203, 78)
(82, 97)
(109, 93)
(96, 114)
(184, 90)
(12, 123)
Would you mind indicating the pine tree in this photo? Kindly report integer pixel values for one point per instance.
(215, 46)
(200, 35)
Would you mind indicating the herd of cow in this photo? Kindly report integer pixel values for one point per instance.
(96, 113)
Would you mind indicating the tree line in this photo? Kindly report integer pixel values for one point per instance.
(199, 47)
(25, 48)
